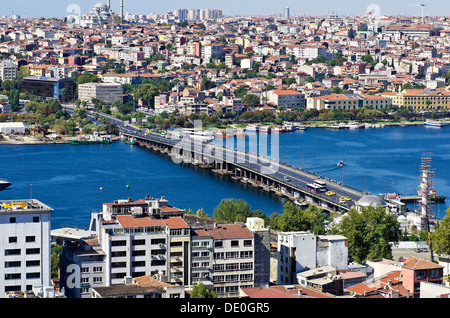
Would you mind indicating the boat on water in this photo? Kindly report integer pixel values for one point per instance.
(240, 132)
(301, 127)
(276, 129)
(4, 184)
(131, 141)
(91, 139)
(434, 123)
(265, 129)
(252, 128)
(341, 163)
(288, 127)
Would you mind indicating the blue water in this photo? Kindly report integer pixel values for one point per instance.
(68, 178)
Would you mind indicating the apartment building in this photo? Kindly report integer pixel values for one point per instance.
(209, 51)
(233, 263)
(107, 92)
(126, 239)
(262, 250)
(286, 98)
(301, 251)
(25, 245)
(8, 70)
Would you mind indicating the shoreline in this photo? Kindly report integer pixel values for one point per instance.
(30, 140)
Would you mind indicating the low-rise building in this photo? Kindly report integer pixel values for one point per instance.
(286, 98)
(107, 92)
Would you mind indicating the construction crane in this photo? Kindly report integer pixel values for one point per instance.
(418, 5)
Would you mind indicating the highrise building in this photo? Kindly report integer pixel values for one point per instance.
(286, 13)
(25, 246)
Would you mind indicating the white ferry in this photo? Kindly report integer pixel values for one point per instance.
(434, 123)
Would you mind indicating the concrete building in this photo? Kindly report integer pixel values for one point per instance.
(301, 251)
(262, 250)
(107, 92)
(8, 70)
(233, 264)
(286, 98)
(25, 245)
(126, 239)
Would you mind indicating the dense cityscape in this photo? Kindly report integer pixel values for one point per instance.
(148, 79)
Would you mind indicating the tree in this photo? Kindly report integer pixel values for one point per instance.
(14, 99)
(441, 236)
(251, 100)
(294, 218)
(369, 233)
(200, 291)
(146, 92)
(230, 210)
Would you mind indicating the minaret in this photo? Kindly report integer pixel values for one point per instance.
(109, 4)
(121, 9)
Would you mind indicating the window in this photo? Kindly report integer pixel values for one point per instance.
(138, 242)
(234, 243)
(12, 251)
(35, 219)
(218, 244)
(29, 239)
(33, 251)
(12, 220)
(13, 239)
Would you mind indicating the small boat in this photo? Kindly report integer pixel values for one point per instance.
(276, 129)
(353, 125)
(340, 163)
(252, 128)
(131, 141)
(333, 126)
(288, 127)
(240, 132)
(301, 127)
(4, 184)
(434, 123)
(265, 129)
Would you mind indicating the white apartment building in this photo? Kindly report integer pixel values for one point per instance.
(309, 52)
(127, 239)
(301, 251)
(211, 50)
(25, 245)
(8, 70)
(107, 92)
(233, 263)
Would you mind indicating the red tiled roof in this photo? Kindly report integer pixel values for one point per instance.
(130, 221)
(176, 223)
(226, 231)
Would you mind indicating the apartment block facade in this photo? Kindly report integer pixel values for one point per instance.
(25, 245)
(107, 92)
(301, 251)
(130, 239)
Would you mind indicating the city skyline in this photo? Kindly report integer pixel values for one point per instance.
(47, 8)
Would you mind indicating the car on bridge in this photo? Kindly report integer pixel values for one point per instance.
(330, 193)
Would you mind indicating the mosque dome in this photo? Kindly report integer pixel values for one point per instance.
(371, 200)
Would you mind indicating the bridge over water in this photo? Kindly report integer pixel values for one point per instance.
(270, 175)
